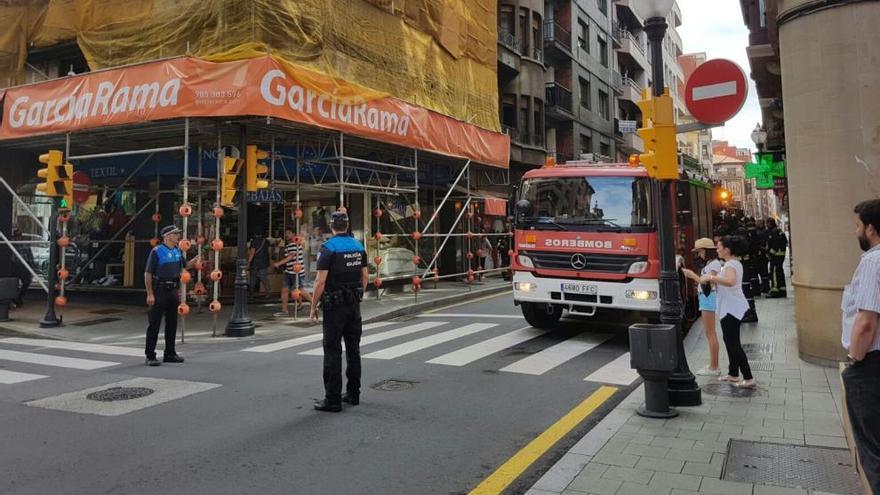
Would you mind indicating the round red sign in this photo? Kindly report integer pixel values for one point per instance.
(81, 183)
(716, 91)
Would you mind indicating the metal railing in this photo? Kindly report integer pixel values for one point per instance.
(557, 33)
(631, 83)
(616, 81)
(637, 40)
(557, 95)
(508, 39)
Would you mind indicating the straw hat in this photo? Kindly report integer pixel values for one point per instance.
(704, 243)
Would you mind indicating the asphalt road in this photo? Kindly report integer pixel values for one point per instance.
(494, 384)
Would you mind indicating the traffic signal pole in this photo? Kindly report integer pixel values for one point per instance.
(50, 320)
(241, 325)
(683, 389)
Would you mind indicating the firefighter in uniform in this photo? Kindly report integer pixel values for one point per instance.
(342, 279)
(162, 281)
(748, 285)
(762, 259)
(777, 245)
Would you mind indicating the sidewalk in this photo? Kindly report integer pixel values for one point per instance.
(120, 324)
(797, 403)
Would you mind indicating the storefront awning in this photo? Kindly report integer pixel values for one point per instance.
(191, 87)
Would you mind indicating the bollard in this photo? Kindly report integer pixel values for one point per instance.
(654, 354)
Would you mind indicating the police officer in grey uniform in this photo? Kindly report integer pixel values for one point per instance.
(342, 279)
(162, 281)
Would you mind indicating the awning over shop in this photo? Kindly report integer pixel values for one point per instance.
(264, 86)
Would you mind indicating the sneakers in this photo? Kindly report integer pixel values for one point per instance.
(174, 358)
(327, 406)
(151, 361)
(707, 371)
(351, 399)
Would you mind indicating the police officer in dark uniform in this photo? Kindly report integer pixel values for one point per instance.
(342, 279)
(777, 244)
(162, 281)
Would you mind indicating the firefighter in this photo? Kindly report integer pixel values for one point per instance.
(777, 245)
(747, 259)
(762, 260)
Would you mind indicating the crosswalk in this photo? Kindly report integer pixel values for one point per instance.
(428, 334)
(43, 354)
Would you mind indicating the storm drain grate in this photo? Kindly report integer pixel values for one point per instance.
(728, 390)
(794, 466)
(107, 311)
(392, 385)
(114, 394)
(758, 347)
(761, 365)
(96, 321)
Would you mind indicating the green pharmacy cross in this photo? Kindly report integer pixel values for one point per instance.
(765, 171)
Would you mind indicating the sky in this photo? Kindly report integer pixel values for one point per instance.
(717, 28)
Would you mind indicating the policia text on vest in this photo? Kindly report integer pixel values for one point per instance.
(342, 279)
(162, 281)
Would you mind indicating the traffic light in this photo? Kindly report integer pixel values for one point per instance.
(256, 169)
(58, 178)
(230, 180)
(658, 133)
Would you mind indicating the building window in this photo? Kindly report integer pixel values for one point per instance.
(604, 148)
(524, 29)
(603, 105)
(603, 6)
(539, 123)
(586, 144)
(584, 36)
(762, 13)
(524, 116)
(508, 111)
(586, 101)
(603, 51)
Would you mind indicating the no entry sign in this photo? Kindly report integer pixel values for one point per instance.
(716, 91)
(81, 183)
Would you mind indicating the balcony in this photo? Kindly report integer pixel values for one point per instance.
(616, 82)
(635, 47)
(617, 35)
(507, 39)
(557, 40)
(524, 138)
(559, 101)
(631, 90)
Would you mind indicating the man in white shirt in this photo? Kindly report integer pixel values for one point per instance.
(860, 337)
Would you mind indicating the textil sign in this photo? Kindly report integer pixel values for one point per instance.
(190, 87)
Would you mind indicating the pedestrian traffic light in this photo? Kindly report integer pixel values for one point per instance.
(58, 177)
(256, 169)
(230, 180)
(658, 133)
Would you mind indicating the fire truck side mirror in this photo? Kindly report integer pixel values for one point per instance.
(523, 207)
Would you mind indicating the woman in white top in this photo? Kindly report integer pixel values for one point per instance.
(732, 306)
(705, 249)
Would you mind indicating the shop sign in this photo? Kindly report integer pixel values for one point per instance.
(265, 196)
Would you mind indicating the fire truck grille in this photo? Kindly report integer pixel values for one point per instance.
(604, 263)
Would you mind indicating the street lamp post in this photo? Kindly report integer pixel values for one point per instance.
(759, 137)
(683, 388)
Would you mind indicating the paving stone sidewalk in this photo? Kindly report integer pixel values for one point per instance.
(797, 403)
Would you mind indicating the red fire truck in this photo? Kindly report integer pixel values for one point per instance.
(586, 238)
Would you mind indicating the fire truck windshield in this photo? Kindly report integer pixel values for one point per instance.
(588, 203)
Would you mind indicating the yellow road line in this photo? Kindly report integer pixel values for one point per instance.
(516, 465)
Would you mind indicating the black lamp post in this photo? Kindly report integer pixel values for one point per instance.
(683, 388)
(241, 325)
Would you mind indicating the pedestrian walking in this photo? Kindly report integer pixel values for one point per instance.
(258, 260)
(777, 245)
(732, 307)
(861, 338)
(708, 256)
(162, 281)
(20, 269)
(294, 272)
(342, 279)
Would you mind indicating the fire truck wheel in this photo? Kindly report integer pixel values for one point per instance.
(544, 316)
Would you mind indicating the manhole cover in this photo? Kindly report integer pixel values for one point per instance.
(728, 390)
(393, 385)
(796, 466)
(114, 394)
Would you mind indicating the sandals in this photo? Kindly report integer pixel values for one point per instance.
(749, 384)
(728, 379)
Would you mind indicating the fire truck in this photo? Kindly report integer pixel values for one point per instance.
(586, 240)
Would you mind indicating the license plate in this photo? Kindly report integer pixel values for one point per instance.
(587, 289)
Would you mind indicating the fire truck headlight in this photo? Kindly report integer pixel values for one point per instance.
(526, 286)
(525, 261)
(638, 267)
(641, 295)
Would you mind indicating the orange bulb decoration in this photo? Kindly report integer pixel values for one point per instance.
(377, 260)
(377, 282)
(214, 307)
(297, 240)
(199, 265)
(216, 275)
(436, 274)
(185, 277)
(60, 301)
(64, 217)
(470, 255)
(470, 278)
(470, 273)
(199, 289)
(297, 213)
(297, 295)
(469, 235)
(217, 244)
(417, 235)
(416, 260)
(154, 241)
(63, 273)
(185, 245)
(377, 212)
(218, 212)
(185, 210)
(156, 218)
(479, 253)
(183, 309)
(377, 236)
(417, 214)
(64, 241)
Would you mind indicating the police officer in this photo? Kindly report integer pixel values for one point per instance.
(162, 280)
(777, 245)
(342, 279)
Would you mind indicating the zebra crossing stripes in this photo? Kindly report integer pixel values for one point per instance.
(75, 346)
(617, 372)
(555, 355)
(429, 341)
(53, 360)
(307, 339)
(9, 377)
(480, 350)
(382, 336)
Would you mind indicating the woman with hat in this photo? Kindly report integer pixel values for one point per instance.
(707, 255)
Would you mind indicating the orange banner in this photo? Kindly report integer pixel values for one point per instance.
(189, 87)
